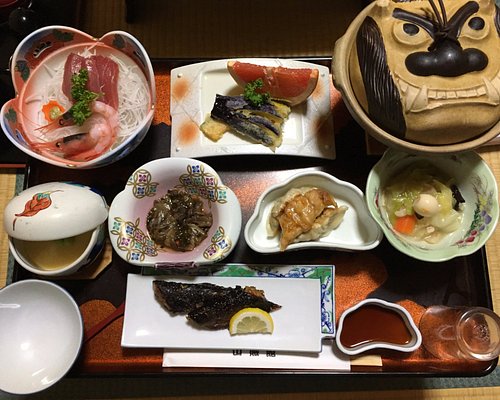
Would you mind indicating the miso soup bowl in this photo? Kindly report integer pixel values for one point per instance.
(476, 183)
(56, 228)
(36, 68)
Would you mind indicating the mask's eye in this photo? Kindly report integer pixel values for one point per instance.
(475, 28)
(409, 33)
(410, 29)
(476, 23)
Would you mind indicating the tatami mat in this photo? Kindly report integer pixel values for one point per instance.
(226, 28)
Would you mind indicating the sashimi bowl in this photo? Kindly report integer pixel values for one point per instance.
(341, 224)
(81, 102)
(433, 208)
(174, 213)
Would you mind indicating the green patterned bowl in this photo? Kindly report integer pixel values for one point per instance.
(476, 183)
(128, 211)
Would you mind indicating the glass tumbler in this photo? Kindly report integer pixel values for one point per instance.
(461, 332)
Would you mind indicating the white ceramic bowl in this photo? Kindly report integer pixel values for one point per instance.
(412, 345)
(41, 333)
(56, 228)
(34, 63)
(358, 231)
(476, 183)
(128, 211)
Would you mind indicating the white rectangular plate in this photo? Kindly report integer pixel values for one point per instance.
(297, 325)
(307, 132)
(325, 273)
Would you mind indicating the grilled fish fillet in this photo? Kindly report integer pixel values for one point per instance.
(208, 305)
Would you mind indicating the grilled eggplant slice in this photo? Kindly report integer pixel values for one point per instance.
(209, 306)
(262, 124)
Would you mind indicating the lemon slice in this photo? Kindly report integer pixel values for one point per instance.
(251, 320)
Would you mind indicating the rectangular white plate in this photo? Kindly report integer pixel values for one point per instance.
(297, 325)
(307, 132)
(325, 273)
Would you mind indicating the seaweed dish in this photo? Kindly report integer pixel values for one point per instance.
(179, 221)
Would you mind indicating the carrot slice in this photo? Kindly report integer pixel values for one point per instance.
(405, 224)
(52, 110)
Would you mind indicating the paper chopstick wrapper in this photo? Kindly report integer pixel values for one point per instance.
(371, 360)
(330, 358)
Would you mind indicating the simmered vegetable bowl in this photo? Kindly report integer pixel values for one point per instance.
(423, 204)
(433, 208)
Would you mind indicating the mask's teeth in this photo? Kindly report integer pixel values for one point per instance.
(416, 99)
(493, 90)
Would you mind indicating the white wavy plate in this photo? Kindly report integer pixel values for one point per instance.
(297, 325)
(308, 130)
(357, 232)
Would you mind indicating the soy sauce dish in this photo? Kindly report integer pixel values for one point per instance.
(356, 232)
(377, 324)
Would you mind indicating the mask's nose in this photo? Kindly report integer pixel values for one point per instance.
(448, 59)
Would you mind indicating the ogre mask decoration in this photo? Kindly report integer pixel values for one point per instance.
(429, 71)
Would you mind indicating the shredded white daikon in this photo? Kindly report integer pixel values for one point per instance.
(133, 95)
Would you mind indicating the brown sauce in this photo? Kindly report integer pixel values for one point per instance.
(374, 323)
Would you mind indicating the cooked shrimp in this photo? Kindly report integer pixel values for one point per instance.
(91, 140)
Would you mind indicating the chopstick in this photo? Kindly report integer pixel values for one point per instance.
(94, 330)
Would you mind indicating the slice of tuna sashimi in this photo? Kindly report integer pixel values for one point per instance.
(103, 76)
(73, 65)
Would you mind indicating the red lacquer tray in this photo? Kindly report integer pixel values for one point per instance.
(382, 272)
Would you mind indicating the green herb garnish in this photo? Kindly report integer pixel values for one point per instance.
(82, 97)
(252, 95)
